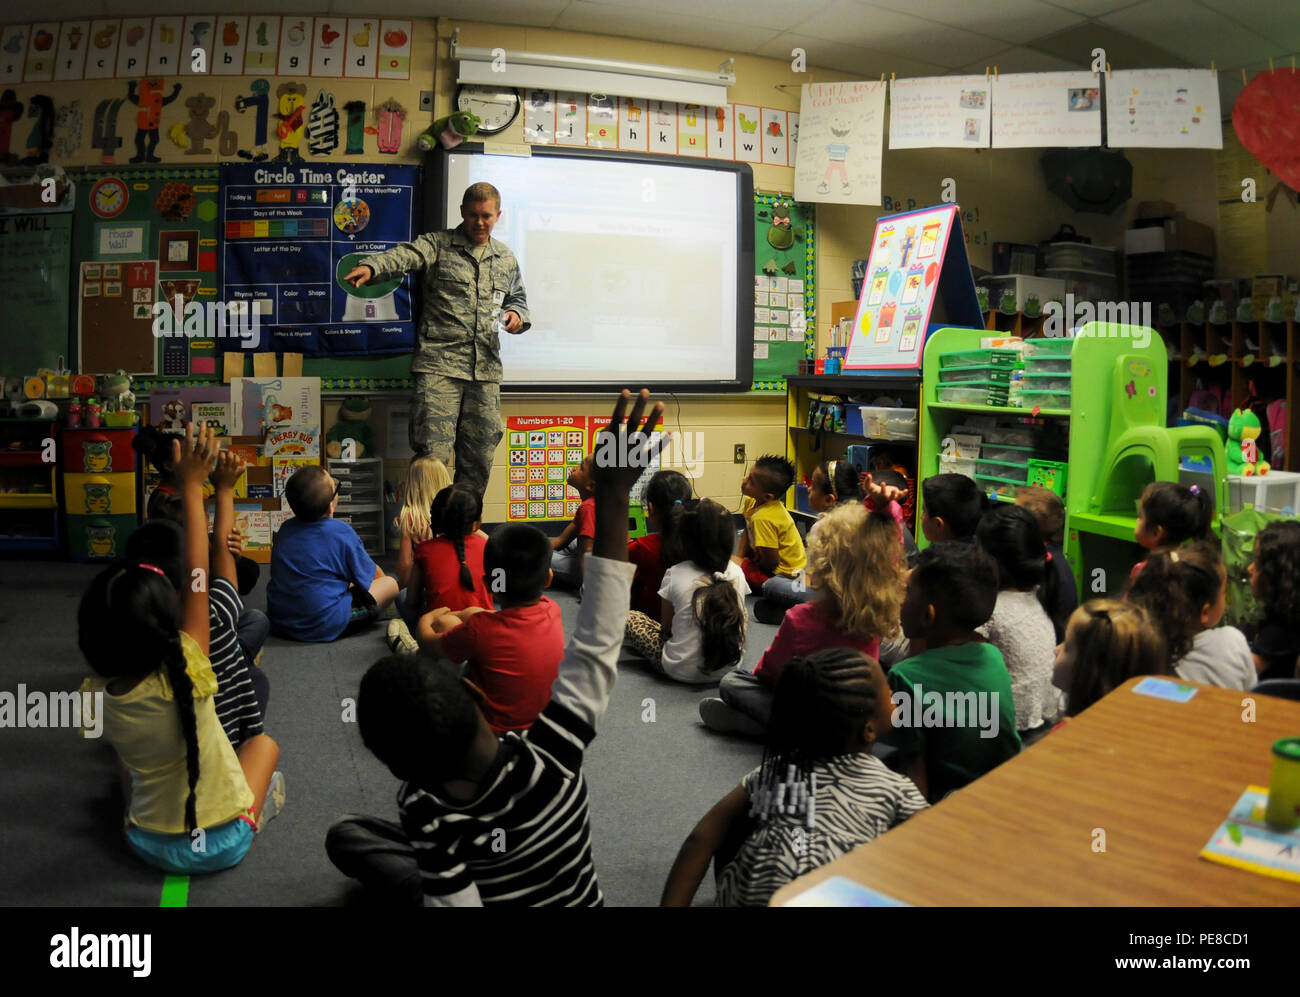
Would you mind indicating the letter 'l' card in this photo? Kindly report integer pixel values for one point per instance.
(1176, 692)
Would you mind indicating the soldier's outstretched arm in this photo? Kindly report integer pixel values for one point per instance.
(404, 258)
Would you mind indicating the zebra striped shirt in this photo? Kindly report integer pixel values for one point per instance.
(858, 797)
(236, 701)
(525, 838)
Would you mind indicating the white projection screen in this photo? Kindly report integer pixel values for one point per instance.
(639, 269)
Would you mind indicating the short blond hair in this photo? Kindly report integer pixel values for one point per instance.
(855, 557)
(481, 191)
(425, 479)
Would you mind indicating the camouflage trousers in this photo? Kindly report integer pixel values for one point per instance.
(450, 415)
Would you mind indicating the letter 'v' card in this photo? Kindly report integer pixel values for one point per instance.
(1175, 692)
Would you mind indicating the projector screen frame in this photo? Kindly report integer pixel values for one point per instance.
(436, 199)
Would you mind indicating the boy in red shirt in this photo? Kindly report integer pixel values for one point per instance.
(571, 546)
(514, 654)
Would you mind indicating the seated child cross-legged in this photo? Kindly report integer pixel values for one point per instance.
(148, 643)
(1169, 515)
(323, 583)
(513, 654)
(426, 477)
(1049, 512)
(1106, 643)
(1275, 581)
(574, 542)
(470, 801)
(702, 624)
(771, 553)
(665, 494)
(818, 794)
(855, 564)
(954, 716)
(1186, 591)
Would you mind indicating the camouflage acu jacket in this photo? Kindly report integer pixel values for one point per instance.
(462, 295)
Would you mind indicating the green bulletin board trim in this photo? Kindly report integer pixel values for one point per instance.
(801, 216)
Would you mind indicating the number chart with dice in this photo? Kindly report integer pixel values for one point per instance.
(541, 451)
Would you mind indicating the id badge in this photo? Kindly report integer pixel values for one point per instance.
(498, 297)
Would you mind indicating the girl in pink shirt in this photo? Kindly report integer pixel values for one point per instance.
(855, 562)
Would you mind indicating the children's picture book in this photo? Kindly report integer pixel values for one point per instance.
(837, 891)
(1246, 841)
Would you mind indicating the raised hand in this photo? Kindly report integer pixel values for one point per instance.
(229, 467)
(195, 455)
(884, 494)
(624, 452)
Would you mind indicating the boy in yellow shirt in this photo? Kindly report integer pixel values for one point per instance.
(771, 550)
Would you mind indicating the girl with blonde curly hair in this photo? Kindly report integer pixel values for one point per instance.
(855, 562)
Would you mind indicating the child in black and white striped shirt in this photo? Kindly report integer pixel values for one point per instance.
(488, 819)
(819, 793)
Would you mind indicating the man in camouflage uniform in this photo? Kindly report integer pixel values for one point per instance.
(470, 282)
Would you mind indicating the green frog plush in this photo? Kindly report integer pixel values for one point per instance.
(352, 425)
(1243, 445)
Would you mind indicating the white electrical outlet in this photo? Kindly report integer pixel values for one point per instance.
(426, 100)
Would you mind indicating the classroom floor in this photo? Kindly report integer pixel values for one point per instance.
(60, 837)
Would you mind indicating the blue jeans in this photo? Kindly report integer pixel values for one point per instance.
(745, 692)
(566, 564)
(786, 591)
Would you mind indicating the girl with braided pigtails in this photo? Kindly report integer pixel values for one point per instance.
(818, 794)
(448, 569)
(194, 803)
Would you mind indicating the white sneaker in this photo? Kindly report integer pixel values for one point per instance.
(399, 638)
(274, 801)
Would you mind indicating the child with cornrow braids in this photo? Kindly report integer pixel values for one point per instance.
(818, 794)
(448, 569)
(149, 645)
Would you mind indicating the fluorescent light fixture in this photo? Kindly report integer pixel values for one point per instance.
(543, 71)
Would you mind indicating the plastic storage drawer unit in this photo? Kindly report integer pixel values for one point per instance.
(98, 451)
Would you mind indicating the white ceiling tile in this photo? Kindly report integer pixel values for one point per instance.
(1008, 20)
(1019, 59)
(854, 23)
(849, 58)
(1192, 31)
(634, 22)
(1278, 20)
(1091, 8)
(779, 14)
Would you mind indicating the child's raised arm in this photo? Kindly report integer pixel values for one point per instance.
(590, 662)
(229, 467)
(700, 846)
(193, 461)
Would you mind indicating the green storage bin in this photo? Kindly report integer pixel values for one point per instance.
(1049, 347)
(1047, 381)
(1002, 470)
(1049, 474)
(982, 372)
(1045, 364)
(1008, 454)
(972, 393)
(98, 538)
(997, 487)
(979, 358)
(1059, 400)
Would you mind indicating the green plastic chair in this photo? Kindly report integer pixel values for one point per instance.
(1139, 443)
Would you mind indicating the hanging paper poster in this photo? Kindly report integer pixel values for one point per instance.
(394, 50)
(165, 53)
(40, 57)
(663, 126)
(291, 237)
(13, 47)
(196, 40)
(295, 45)
(1163, 109)
(749, 143)
(328, 49)
(541, 450)
(1046, 109)
(939, 112)
(539, 117)
(133, 52)
(101, 56)
(784, 292)
(840, 143)
(228, 46)
(918, 260)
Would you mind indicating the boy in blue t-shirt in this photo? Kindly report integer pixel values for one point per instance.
(323, 583)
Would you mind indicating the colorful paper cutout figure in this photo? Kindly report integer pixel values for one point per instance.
(356, 112)
(104, 135)
(909, 243)
(41, 138)
(193, 135)
(886, 234)
(912, 285)
(292, 100)
(837, 154)
(11, 109)
(390, 115)
(323, 124)
(259, 100)
(147, 95)
(929, 239)
(878, 282)
(68, 123)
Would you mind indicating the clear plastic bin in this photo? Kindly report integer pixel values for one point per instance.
(974, 393)
(1048, 382)
(979, 358)
(1047, 365)
(1045, 399)
(997, 486)
(1010, 454)
(957, 465)
(1003, 470)
(1049, 346)
(1012, 436)
(1087, 285)
(1079, 256)
(884, 423)
(997, 375)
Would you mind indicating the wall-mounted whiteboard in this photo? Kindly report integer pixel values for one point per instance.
(639, 269)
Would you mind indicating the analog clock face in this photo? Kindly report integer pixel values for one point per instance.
(497, 106)
(108, 197)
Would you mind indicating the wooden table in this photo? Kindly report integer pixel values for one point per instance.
(1158, 777)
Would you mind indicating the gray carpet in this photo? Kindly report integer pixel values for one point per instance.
(60, 837)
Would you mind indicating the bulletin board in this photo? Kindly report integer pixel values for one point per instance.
(785, 288)
(34, 273)
(141, 236)
(917, 270)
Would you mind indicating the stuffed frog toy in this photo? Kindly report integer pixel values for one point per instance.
(352, 425)
(1243, 444)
